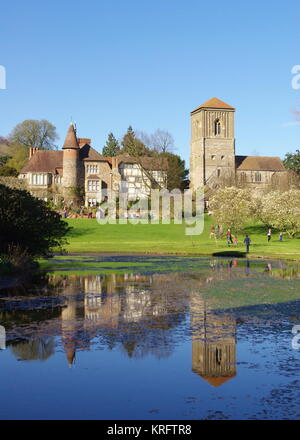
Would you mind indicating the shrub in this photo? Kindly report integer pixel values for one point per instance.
(28, 227)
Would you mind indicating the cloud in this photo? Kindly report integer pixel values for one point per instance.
(290, 124)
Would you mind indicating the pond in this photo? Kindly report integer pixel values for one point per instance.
(152, 338)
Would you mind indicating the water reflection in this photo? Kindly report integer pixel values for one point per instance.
(40, 348)
(213, 343)
(137, 314)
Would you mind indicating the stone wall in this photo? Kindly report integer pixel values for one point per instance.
(103, 175)
(14, 182)
(263, 180)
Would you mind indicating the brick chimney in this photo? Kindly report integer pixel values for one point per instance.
(32, 151)
(114, 162)
(84, 141)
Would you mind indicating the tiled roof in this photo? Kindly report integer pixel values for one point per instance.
(149, 163)
(88, 153)
(48, 161)
(45, 161)
(259, 163)
(214, 103)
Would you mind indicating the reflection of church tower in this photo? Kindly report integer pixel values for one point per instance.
(213, 344)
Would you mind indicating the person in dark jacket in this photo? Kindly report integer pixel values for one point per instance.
(247, 242)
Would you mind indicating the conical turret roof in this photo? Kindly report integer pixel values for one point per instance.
(71, 139)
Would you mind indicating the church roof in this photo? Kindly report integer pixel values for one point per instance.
(71, 139)
(258, 163)
(44, 161)
(214, 103)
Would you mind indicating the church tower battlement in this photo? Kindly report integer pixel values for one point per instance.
(212, 143)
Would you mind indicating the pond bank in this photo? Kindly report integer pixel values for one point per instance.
(224, 254)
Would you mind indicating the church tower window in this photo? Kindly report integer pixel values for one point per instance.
(217, 127)
(257, 177)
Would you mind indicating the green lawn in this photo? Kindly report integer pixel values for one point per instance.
(88, 236)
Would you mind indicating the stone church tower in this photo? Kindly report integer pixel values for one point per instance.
(212, 144)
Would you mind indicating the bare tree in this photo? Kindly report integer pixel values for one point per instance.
(161, 141)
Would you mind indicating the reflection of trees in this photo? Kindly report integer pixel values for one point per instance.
(40, 348)
(138, 313)
(286, 272)
(159, 344)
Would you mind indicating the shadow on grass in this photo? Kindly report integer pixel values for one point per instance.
(256, 229)
(78, 232)
(231, 253)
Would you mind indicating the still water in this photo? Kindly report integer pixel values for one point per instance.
(177, 339)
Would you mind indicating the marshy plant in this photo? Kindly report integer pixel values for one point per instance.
(17, 259)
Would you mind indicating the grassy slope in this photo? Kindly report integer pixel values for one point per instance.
(89, 236)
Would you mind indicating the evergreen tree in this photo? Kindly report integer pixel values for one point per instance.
(177, 174)
(112, 147)
(133, 146)
(292, 161)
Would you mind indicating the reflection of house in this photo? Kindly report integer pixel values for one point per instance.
(71, 313)
(110, 302)
(2, 338)
(68, 329)
(213, 344)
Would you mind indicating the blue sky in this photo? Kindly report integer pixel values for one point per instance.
(111, 64)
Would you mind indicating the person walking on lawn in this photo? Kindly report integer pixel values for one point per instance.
(269, 234)
(229, 237)
(247, 242)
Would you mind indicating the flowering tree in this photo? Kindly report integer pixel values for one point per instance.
(232, 207)
(281, 210)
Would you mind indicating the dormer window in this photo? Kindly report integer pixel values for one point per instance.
(217, 127)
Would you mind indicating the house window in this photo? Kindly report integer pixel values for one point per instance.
(257, 177)
(213, 157)
(222, 157)
(219, 172)
(243, 177)
(92, 169)
(93, 185)
(39, 179)
(217, 127)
